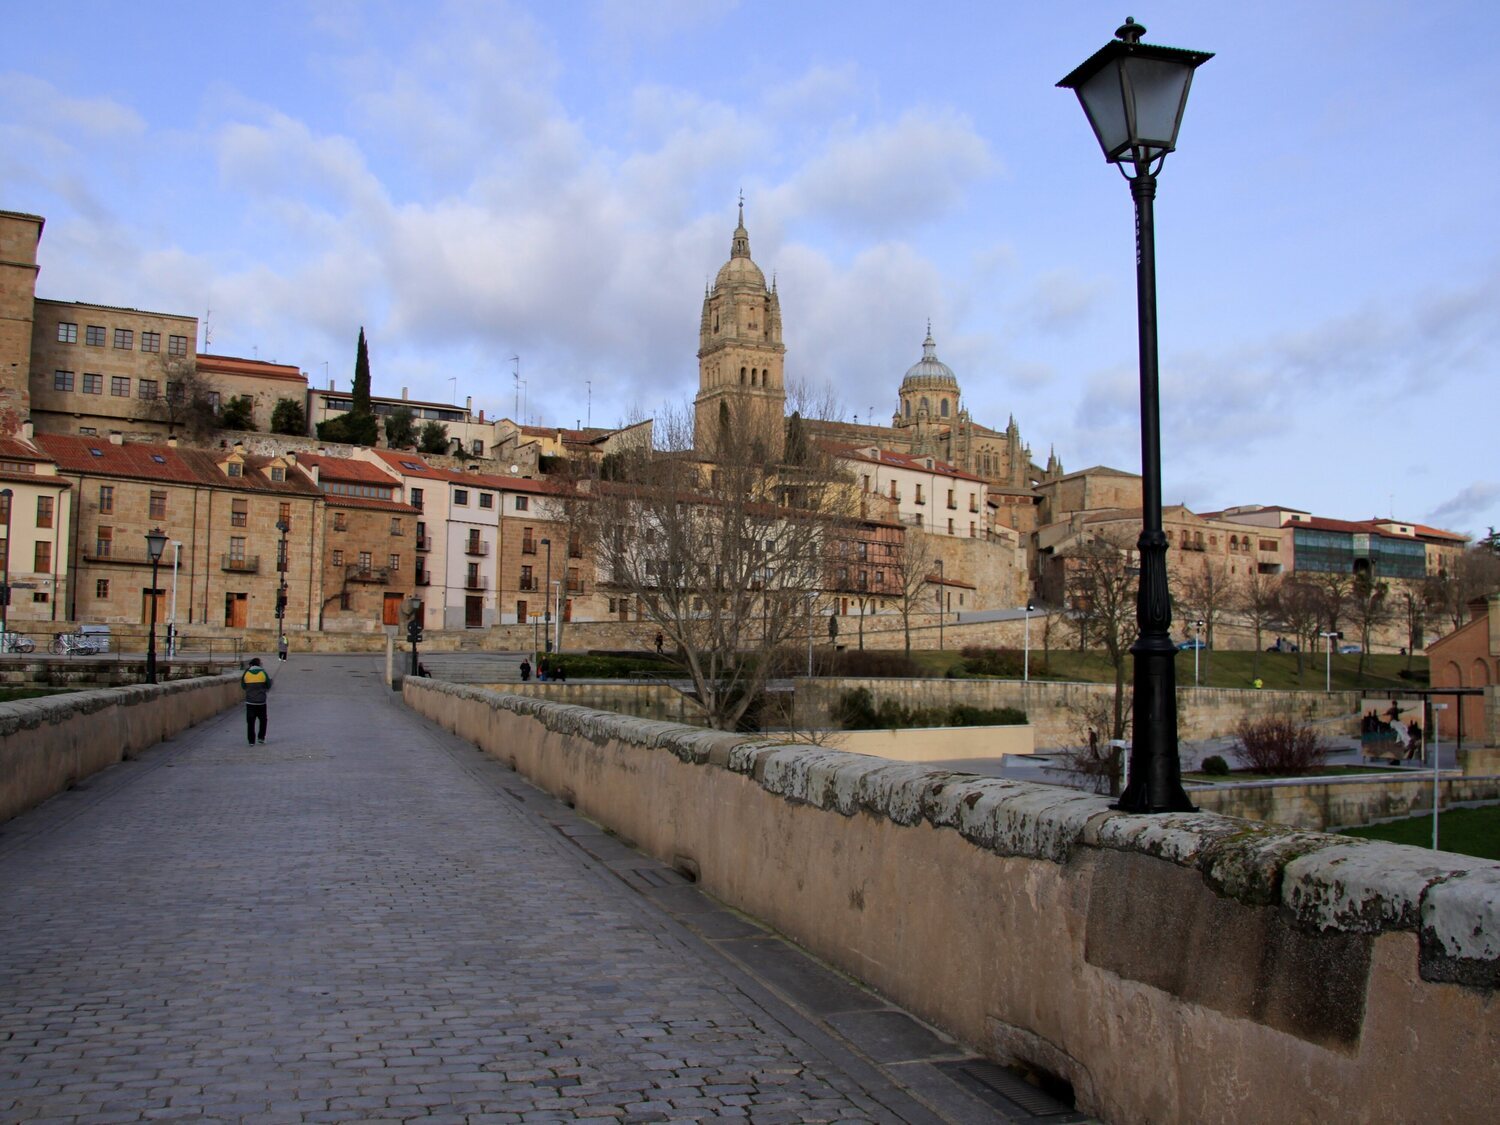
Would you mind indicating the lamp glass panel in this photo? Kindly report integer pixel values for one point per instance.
(1157, 88)
(1104, 102)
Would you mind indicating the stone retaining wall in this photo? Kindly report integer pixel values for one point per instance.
(52, 743)
(1202, 712)
(1178, 968)
(1334, 803)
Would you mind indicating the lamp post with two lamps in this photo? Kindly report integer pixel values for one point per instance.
(1134, 95)
(282, 564)
(156, 543)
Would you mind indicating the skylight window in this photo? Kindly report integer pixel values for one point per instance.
(158, 458)
(96, 452)
(412, 466)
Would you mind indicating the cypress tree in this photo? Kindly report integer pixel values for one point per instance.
(361, 426)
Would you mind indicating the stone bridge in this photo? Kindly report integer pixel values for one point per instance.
(459, 905)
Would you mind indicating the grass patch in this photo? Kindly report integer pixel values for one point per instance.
(608, 666)
(1474, 832)
(10, 695)
(1251, 775)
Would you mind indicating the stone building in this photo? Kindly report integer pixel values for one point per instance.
(259, 382)
(220, 508)
(20, 235)
(36, 517)
(1468, 657)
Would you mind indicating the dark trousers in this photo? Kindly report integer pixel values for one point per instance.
(255, 713)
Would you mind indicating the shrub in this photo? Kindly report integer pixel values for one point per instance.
(1215, 766)
(864, 662)
(1280, 745)
(1008, 662)
(857, 710)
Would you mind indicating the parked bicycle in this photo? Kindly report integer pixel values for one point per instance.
(16, 642)
(74, 644)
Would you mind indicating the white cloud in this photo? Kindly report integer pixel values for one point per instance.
(1472, 503)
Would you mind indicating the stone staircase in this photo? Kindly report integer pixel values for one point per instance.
(474, 667)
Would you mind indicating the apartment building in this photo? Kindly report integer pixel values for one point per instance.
(260, 383)
(36, 518)
(927, 494)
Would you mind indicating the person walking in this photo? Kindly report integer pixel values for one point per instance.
(281, 647)
(659, 641)
(256, 683)
(525, 670)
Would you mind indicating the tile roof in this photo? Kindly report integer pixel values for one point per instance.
(338, 500)
(903, 461)
(347, 469)
(148, 461)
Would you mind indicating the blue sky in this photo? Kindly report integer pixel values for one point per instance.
(557, 181)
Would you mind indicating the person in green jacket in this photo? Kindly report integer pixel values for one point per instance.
(256, 683)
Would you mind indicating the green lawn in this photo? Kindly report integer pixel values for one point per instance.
(1474, 832)
(1228, 669)
(10, 695)
(1247, 775)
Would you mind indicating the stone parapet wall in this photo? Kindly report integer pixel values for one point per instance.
(1342, 802)
(1177, 968)
(52, 743)
(1050, 706)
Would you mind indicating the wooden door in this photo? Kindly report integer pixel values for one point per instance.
(161, 606)
(236, 610)
(473, 612)
(390, 613)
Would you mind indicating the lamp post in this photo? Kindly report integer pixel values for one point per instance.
(1437, 709)
(1134, 95)
(1329, 638)
(282, 562)
(1026, 659)
(1197, 647)
(547, 605)
(156, 543)
(8, 496)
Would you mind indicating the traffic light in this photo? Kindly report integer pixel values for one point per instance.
(414, 630)
(280, 605)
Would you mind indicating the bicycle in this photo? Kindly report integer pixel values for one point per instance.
(16, 642)
(74, 644)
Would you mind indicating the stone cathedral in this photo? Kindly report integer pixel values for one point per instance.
(740, 383)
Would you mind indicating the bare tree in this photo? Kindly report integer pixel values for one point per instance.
(1207, 592)
(1300, 608)
(816, 401)
(189, 403)
(913, 574)
(1471, 575)
(1095, 762)
(1257, 600)
(1370, 607)
(1101, 587)
(725, 556)
(1335, 589)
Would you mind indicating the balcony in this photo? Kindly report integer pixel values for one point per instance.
(574, 585)
(477, 582)
(528, 546)
(376, 575)
(240, 564)
(423, 578)
(477, 547)
(424, 543)
(529, 586)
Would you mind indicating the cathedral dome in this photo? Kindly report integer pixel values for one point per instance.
(740, 270)
(929, 371)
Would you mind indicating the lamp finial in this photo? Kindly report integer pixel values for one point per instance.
(1130, 31)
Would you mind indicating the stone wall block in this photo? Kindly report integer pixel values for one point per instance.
(1461, 926)
(1355, 885)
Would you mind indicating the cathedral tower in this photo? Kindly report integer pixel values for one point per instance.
(740, 355)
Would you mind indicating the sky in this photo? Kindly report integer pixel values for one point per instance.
(523, 201)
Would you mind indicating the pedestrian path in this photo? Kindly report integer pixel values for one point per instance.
(366, 919)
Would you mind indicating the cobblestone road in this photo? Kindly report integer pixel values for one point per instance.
(367, 920)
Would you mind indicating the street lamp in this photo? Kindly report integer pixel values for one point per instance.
(7, 496)
(547, 605)
(1328, 659)
(1134, 94)
(1437, 716)
(156, 543)
(1197, 647)
(282, 562)
(1026, 660)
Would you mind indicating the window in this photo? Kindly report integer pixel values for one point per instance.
(93, 384)
(106, 499)
(44, 511)
(150, 341)
(67, 333)
(416, 498)
(284, 513)
(523, 503)
(41, 596)
(158, 505)
(395, 562)
(62, 380)
(43, 558)
(396, 526)
(147, 389)
(94, 336)
(477, 448)
(213, 401)
(124, 338)
(527, 581)
(177, 345)
(364, 560)
(239, 513)
(119, 386)
(234, 469)
(278, 473)
(461, 497)
(340, 522)
(104, 542)
(486, 500)
(337, 557)
(101, 587)
(236, 548)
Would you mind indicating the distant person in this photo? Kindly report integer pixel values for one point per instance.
(256, 683)
(559, 675)
(525, 670)
(541, 670)
(1257, 682)
(281, 648)
(660, 640)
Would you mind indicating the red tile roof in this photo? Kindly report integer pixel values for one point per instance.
(347, 469)
(903, 461)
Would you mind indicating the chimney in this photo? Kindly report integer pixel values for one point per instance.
(314, 470)
(28, 431)
(116, 437)
(469, 403)
(239, 447)
(481, 416)
(404, 395)
(172, 442)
